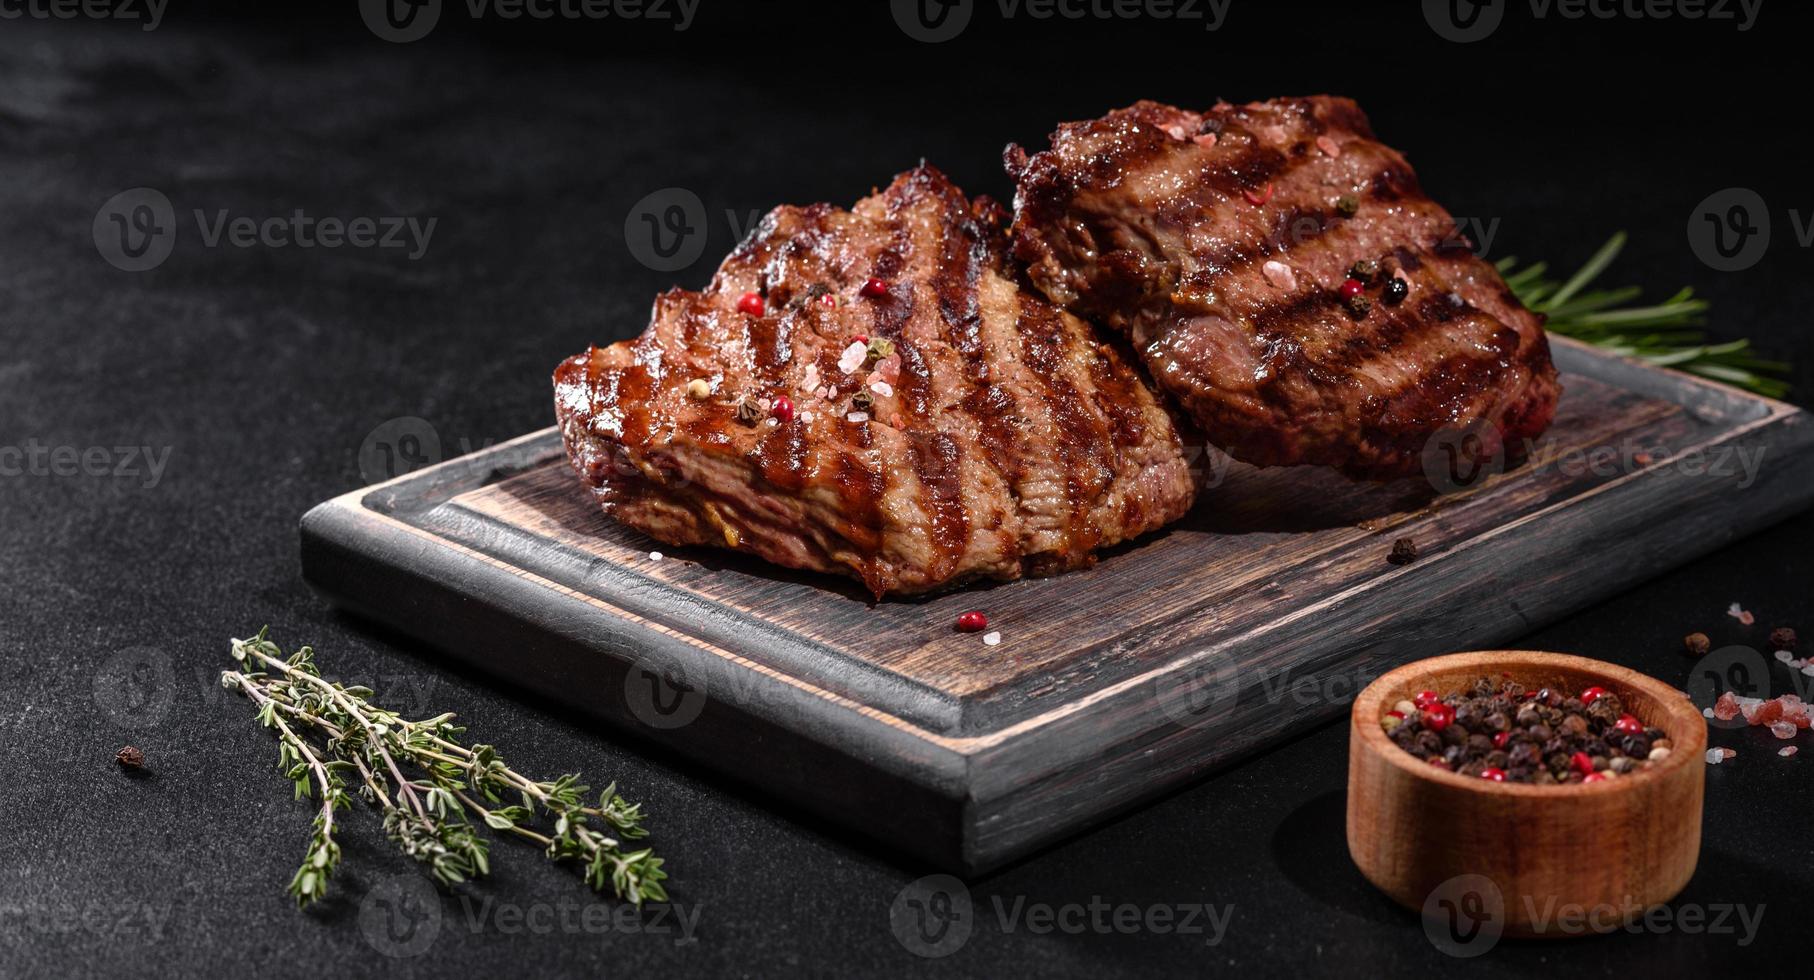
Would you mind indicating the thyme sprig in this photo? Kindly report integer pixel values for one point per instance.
(427, 785)
(1659, 333)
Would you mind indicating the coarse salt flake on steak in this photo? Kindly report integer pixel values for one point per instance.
(867, 392)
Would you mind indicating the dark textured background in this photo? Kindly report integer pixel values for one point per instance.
(263, 370)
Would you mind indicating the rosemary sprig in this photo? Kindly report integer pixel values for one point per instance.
(1661, 333)
(427, 814)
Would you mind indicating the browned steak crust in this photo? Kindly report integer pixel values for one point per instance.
(1219, 242)
(1000, 439)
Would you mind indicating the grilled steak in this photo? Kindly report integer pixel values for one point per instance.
(887, 404)
(1220, 242)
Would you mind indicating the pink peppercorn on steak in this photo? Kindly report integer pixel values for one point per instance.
(866, 392)
(1285, 279)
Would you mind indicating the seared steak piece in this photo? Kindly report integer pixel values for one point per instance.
(1220, 243)
(865, 392)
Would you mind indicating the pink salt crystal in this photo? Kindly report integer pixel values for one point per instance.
(1782, 730)
(1175, 130)
(1728, 753)
(1741, 614)
(852, 358)
(1328, 146)
(1273, 133)
(889, 368)
(1726, 708)
(1206, 139)
(1762, 712)
(1279, 274)
(1787, 751)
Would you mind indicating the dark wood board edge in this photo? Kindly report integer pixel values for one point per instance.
(1039, 784)
(818, 664)
(1706, 398)
(431, 485)
(851, 768)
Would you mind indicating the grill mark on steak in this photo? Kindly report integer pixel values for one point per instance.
(893, 316)
(1128, 218)
(1079, 435)
(940, 484)
(631, 395)
(936, 464)
(1115, 398)
(781, 456)
(771, 344)
(893, 310)
(1300, 205)
(963, 253)
(860, 488)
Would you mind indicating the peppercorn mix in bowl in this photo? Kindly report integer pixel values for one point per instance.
(1543, 832)
(1498, 729)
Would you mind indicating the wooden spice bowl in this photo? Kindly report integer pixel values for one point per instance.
(1603, 852)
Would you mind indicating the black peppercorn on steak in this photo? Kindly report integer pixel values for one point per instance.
(866, 392)
(1285, 279)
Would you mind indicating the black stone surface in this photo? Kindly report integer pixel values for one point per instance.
(261, 371)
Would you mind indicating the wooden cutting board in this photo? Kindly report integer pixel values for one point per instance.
(1261, 614)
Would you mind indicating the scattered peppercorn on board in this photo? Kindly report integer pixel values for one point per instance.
(1262, 613)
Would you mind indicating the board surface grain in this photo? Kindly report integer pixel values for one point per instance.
(1264, 611)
